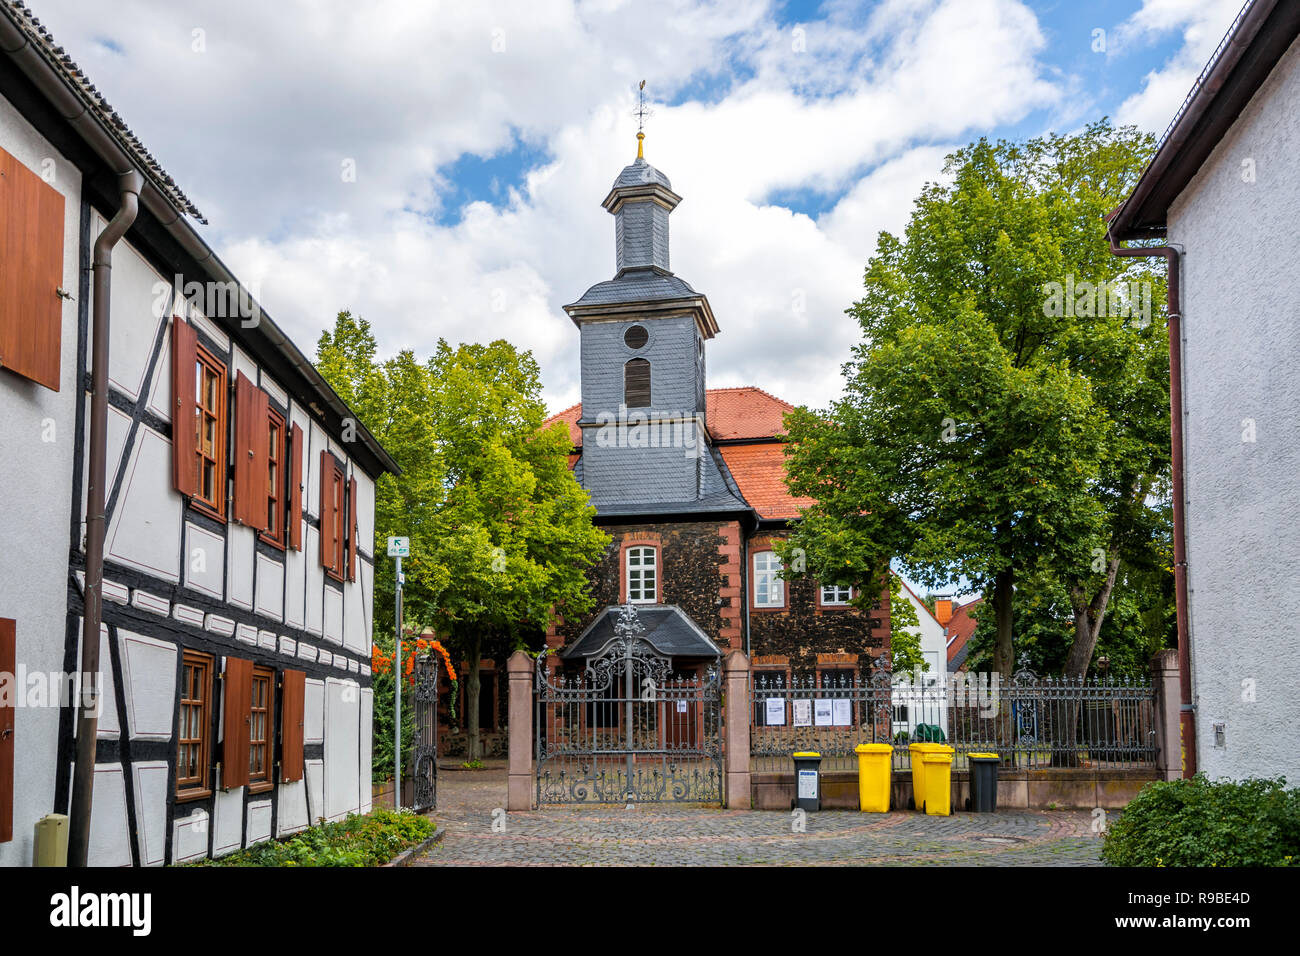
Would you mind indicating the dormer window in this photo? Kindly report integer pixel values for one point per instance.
(636, 383)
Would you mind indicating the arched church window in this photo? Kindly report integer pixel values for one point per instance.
(636, 383)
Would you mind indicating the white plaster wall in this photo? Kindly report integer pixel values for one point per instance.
(1241, 348)
(241, 547)
(342, 748)
(150, 782)
(228, 822)
(149, 676)
(205, 561)
(36, 476)
(108, 820)
(291, 814)
(140, 302)
(146, 523)
(367, 743)
(270, 587)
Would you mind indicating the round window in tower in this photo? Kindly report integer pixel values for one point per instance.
(636, 337)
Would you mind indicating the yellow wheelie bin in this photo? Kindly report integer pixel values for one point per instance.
(875, 772)
(937, 783)
(915, 750)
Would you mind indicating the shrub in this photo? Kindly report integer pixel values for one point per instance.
(355, 841)
(1196, 822)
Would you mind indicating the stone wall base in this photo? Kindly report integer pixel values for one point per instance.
(1056, 788)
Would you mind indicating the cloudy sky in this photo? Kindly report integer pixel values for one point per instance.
(437, 167)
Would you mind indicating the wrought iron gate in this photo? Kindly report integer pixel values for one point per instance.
(424, 766)
(628, 729)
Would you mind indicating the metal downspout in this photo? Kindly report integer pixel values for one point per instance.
(83, 775)
(1186, 713)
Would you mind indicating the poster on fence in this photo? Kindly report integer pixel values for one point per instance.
(843, 712)
(775, 711)
(822, 713)
(803, 713)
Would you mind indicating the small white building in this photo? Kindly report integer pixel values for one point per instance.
(236, 637)
(922, 698)
(1224, 191)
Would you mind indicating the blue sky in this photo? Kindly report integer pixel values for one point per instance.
(483, 136)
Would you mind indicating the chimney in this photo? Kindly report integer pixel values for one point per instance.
(943, 611)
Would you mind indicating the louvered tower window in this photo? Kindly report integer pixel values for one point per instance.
(636, 383)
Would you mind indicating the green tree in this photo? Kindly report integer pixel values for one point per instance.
(984, 433)
(514, 532)
(904, 644)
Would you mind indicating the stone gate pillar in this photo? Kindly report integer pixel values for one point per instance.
(1164, 677)
(735, 720)
(520, 669)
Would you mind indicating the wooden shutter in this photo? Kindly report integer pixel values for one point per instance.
(8, 705)
(292, 695)
(31, 272)
(326, 510)
(636, 384)
(295, 488)
(185, 455)
(237, 715)
(352, 529)
(252, 454)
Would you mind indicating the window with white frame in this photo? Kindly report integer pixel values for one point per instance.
(834, 594)
(642, 575)
(769, 589)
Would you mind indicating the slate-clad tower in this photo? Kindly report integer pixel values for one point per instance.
(643, 343)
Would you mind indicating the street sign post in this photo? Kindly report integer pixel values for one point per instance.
(398, 548)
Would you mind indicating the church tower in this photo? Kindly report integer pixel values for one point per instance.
(643, 336)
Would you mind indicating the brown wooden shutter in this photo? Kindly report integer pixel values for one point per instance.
(293, 696)
(636, 384)
(8, 705)
(185, 454)
(237, 715)
(352, 529)
(326, 509)
(31, 273)
(295, 488)
(252, 454)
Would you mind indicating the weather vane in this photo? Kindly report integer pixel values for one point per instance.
(641, 112)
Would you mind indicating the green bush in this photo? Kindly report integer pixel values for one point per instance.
(1198, 823)
(355, 841)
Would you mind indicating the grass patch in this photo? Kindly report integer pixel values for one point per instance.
(369, 840)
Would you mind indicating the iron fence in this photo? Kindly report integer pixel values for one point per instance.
(1031, 722)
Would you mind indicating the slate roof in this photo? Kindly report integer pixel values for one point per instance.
(639, 173)
(668, 629)
(752, 474)
(43, 43)
(644, 284)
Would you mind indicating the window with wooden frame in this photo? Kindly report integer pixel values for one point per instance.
(769, 589)
(642, 575)
(194, 737)
(332, 516)
(31, 274)
(210, 426)
(276, 485)
(261, 737)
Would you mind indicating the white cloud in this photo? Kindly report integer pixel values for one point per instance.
(256, 127)
(1203, 24)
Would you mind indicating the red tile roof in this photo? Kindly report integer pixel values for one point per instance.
(960, 627)
(759, 471)
(737, 414)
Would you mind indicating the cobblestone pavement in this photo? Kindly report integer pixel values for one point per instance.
(667, 835)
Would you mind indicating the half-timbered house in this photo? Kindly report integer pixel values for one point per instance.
(238, 508)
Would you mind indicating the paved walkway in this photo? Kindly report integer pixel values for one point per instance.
(667, 835)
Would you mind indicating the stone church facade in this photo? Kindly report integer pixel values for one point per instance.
(688, 480)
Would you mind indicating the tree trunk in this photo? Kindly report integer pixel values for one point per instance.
(1088, 615)
(474, 747)
(1003, 588)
